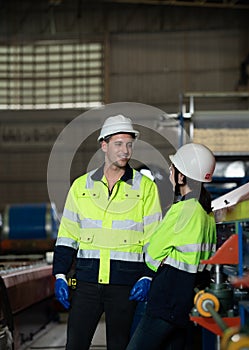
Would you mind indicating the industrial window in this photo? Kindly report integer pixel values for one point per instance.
(51, 75)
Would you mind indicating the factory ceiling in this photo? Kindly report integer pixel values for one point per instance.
(232, 4)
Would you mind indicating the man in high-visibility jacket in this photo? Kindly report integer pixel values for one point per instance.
(108, 217)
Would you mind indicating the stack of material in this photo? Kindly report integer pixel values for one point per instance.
(223, 140)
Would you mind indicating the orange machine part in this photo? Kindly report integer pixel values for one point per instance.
(228, 253)
(211, 325)
(26, 245)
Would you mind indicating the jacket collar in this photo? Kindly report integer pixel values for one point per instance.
(190, 195)
(127, 177)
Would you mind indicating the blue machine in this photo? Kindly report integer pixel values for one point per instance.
(27, 221)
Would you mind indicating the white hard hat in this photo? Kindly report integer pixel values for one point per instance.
(117, 124)
(195, 161)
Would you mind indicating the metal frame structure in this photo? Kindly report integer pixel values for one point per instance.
(233, 210)
(232, 4)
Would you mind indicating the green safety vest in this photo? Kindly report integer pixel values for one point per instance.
(186, 235)
(108, 226)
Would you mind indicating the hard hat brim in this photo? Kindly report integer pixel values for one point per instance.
(130, 132)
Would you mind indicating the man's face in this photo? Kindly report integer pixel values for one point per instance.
(118, 149)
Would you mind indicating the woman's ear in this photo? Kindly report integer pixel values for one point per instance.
(181, 179)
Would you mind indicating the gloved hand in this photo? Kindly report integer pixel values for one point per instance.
(62, 292)
(140, 289)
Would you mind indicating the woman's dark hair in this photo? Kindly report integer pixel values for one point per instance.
(205, 199)
(198, 191)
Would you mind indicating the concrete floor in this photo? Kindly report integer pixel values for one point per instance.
(53, 337)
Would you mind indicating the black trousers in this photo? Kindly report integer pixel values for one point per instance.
(157, 334)
(89, 302)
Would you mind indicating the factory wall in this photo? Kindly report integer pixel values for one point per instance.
(26, 140)
(158, 67)
(152, 55)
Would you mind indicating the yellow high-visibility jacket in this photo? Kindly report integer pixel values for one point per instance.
(107, 229)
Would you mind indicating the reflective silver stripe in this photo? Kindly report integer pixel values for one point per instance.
(145, 248)
(181, 265)
(89, 223)
(213, 250)
(116, 224)
(70, 215)
(114, 255)
(196, 247)
(68, 242)
(150, 219)
(207, 267)
(151, 261)
(89, 180)
(88, 254)
(201, 267)
(127, 225)
(126, 256)
(136, 181)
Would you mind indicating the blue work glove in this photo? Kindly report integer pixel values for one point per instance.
(140, 290)
(62, 292)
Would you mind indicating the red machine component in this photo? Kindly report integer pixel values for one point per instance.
(212, 326)
(8, 246)
(23, 286)
(241, 282)
(228, 253)
(24, 283)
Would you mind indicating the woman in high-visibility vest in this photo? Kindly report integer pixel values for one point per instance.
(185, 237)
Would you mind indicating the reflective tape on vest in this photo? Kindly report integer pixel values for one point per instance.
(114, 255)
(68, 242)
(183, 266)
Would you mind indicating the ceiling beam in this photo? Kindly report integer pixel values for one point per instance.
(228, 4)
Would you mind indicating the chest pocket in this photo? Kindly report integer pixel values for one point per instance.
(86, 237)
(88, 195)
(91, 203)
(131, 239)
(131, 205)
(129, 193)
